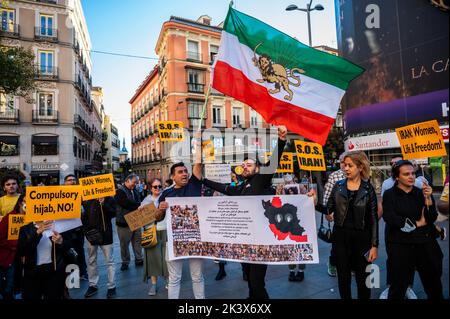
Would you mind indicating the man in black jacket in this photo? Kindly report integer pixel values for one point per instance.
(255, 183)
(128, 200)
(99, 233)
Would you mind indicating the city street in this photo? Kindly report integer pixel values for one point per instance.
(317, 283)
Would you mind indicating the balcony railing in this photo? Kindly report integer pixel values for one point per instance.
(196, 88)
(45, 117)
(45, 72)
(47, 34)
(84, 127)
(193, 56)
(193, 122)
(219, 123)
(156, 100)
(9, 117)
(10, 30)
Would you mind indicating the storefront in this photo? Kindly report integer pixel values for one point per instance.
(45, 174)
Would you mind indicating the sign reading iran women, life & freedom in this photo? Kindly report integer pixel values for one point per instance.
(252, 229)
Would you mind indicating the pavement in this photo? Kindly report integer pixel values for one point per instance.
(317, 283)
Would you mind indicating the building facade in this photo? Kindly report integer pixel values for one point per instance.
(176, 89)
(112, 144)
(60, 132)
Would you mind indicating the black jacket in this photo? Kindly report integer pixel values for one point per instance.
(28, 242)
(98, 216)
(127, 201)
(259, 184)
(364, 208)
(398, 206)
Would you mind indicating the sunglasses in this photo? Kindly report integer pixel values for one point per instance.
(156, 187)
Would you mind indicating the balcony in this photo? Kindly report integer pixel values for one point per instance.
(45, 34)
(10, 30)
(48, 1)
(45, 72)
(156, 100)
(115, 145)
(83, 127)
(196, 88)
(193, 56)
(45, 117)
(9, 117)
(194, 122)
(219, 123)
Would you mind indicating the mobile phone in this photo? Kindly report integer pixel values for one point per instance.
(410, 223)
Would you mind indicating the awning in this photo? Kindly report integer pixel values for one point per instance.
(44, 173)
(45, 140)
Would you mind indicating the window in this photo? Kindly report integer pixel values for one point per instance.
(46, 104)
(75, 146)
(213, 50)
(193, 53)
(195, 81)
(6, 103)
(7, 20)
(194, 109)
(44, 145)
(46, 28)
(9, 145)
(253, 118)
(46, 62)
(236, 115)
(217, 115)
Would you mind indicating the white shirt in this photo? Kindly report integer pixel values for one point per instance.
(161, 225)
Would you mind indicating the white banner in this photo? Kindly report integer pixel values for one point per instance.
(252, 229)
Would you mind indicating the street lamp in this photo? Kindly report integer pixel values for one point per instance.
(308, 10)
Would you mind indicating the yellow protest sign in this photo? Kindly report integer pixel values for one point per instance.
(421, 140)
(53, 203)
(14, 223)
(170, 131)
(97, 186)
(310, 156)
(286, 164)
(208, 151)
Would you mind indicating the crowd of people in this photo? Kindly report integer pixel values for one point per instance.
(34, 265)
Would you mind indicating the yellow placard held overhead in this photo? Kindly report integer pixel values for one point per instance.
(310, 156)
(170, 131)
(97, 186)
(422, 140)
(208, 151)
(14, 223)
(53, 203)
(286, 164)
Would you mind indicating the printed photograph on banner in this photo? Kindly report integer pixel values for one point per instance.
(296, 189)
(170, 131)
(422, 140)
(97, 186)
(310, 156)
(253, 229)
(53, 203)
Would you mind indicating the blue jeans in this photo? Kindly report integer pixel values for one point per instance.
(7, 282)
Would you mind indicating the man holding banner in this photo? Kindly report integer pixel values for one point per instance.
(255, 184)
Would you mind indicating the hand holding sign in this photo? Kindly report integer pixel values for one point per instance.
(43, 226)
(57, 238)
(282, 132)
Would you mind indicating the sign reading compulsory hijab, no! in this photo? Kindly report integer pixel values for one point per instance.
(53, 203)
(422, 140)
(97, 186)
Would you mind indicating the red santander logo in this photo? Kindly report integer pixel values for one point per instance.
(350, 145)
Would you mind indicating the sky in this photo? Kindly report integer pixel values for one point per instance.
(132, 27)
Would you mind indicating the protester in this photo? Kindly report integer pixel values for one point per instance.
(10, 186)
(8, 251)
(154, 257)
(128, 200)
(355, 233)
(98, 230)
(410, 213)
(44, 268)
(75, 237)
(255, 183)
(184, 187)
(332, 180)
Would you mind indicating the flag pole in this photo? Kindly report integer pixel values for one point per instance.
(204, 108)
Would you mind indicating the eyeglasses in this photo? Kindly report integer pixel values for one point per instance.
(156, 186)
(70, 180)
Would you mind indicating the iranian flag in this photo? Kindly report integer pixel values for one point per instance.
(284, 80)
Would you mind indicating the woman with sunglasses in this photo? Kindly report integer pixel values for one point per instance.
(155, 257)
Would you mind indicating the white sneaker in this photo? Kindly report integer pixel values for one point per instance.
(385, 294)
(410, 294)
(152, 291)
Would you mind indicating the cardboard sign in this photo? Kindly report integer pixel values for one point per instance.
(220, 173)
(286, 164)
(421, 140)
(141, 217)
(170, 131)
(15, 222)
(53, 203)
(97, 186)
(310, 156)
